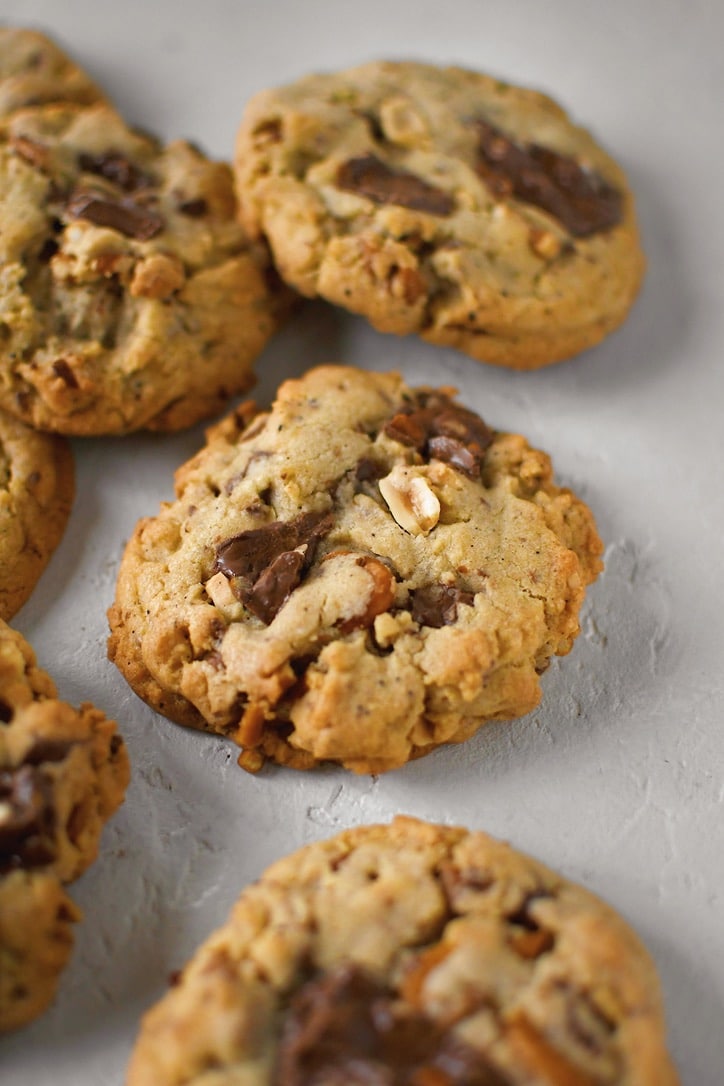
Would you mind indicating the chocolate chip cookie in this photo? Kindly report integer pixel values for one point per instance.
(34, 70)
(130, 297)
(63, 772)
(411, 953)
(36, 494)
(358, 575)
(442, 202)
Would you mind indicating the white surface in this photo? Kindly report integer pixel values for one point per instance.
(617, 780)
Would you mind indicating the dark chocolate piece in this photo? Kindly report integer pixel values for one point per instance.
(124, 215)
(369, 176)
(580, 199)
(344, 1026)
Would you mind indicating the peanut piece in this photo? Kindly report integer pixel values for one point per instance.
(410, 499)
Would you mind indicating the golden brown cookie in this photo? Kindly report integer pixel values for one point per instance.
(442, 202)
(411, 954)
(130, 297)
(34, 71)
(359, 575)
(63, 772)
(36, 495)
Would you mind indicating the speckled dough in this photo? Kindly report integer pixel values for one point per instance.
(130, 297)
(386, 189)
(36, 495)
(63, 772)
(411, 953)
(33, 71)
(360, 575)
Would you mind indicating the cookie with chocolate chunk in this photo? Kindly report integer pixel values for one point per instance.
(446, 203)
(63, 772)
(36, 494)
(130, 297)
(34, 71)
(360, 574)
(412, 953)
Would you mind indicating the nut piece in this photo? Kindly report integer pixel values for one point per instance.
(412, 502)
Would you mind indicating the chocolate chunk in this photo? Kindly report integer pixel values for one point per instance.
(195, 209)
(264, 564)
(436, 605)
(369, 176)
(123, 215)
(116, 168)
(25, 818)
(344, 1026)
(275, 585)
(580, 199)
(46, 749)
(369, 470)
(438, 427)
(63, 370)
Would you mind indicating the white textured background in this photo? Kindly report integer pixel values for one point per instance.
(618, 779)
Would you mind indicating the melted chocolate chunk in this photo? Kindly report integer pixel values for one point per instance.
(580, 199)
(344, 1026)
(264, 564)
(116, 168)
(26, 818)
(123, 215)
(436, 605)
(369, 176)
(275, 585)
(438, 427)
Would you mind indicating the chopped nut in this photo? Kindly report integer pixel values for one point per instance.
(546, 244)
(412, 502)
(220, 592)
(380, 599)
(158, 276)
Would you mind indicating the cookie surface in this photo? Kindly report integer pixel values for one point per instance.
(63, 772)
(442, 202)
(361, 574)
(129, 295)
(36, 495)
(410, 953)
(34, 71)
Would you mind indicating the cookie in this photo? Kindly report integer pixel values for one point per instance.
(442, 202)
(359, 575)
(36, 494)
(33, 71)
(63, 773)
(130, 297)
(411, 953)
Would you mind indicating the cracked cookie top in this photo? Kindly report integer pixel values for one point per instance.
(406, 954)
(442, 202)
(360, 574)
(130, 297)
